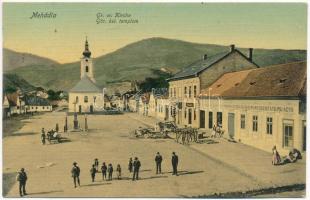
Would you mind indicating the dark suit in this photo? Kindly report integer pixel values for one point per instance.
(136, 168)
(158, 160)
(174, 161)
(22, 179)
(104, 172)
(93, 173)
(76, 175)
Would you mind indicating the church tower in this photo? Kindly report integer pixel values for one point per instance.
(87, 63)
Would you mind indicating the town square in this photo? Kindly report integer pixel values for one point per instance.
(163, 111)
(204, 169)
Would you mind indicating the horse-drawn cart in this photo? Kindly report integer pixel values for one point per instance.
(53, 137)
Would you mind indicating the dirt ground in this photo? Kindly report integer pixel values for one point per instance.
(48, 166)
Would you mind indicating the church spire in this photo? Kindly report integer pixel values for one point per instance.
(86, 52)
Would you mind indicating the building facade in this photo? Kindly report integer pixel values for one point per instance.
(185, 86)
(37, 104)
(261, 107)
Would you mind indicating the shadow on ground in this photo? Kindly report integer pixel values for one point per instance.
(23, 134)
(253, 193)
(96, 184)
(181, 173)
(207, 141)
(8, 181)
(47, 192)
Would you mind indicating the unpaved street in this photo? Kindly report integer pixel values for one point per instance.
(49, 166)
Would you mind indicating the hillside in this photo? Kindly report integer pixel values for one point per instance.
(13, 60)
(138, 60)
(12, 82)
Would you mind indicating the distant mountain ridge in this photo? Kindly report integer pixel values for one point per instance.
(12, 82)
(139, 60)
(13, 60)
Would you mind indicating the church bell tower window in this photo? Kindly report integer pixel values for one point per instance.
(86, 69)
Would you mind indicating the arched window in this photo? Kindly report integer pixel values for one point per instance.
(86, 68)
(85, 99)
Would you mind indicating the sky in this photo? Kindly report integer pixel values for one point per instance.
(256, 25)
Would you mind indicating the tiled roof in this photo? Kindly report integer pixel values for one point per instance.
(85, 85)
(200, 65)
(35, 101)
(12, 98)
(285, 80)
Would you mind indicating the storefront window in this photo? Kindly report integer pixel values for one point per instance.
(255, 123)
(210, 120)
(288, 133)
(269, 125)
(242, 119)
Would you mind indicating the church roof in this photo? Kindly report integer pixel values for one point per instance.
(85, 85)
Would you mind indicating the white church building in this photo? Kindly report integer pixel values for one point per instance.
(86, 96)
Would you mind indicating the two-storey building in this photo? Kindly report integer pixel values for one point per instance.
(185, 86)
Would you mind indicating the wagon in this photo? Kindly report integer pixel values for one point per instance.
(53, 137)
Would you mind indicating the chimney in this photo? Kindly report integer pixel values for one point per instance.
(250, 54)
(232, 48)
(205, 57)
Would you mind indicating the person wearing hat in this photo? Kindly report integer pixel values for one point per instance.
(136, 168)
(22, 179)
(158, 160)
(75, 171)
(174, 161)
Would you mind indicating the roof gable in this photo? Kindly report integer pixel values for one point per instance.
(86, 85)
(201, 65)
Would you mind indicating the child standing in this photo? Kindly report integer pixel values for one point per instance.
(110, 171)
(96, 163)
(119, 171)
(130, 165)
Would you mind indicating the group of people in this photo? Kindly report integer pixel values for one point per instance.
(133, 167)
(292, 157)
(104, 170)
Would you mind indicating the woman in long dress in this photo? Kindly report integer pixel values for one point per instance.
(276, 159)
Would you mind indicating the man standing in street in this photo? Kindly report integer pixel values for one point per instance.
(93, 173)
(158, 160)
(22, 178)
(75, 171)
(136, 168)
(43, 136)
(174, 161)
